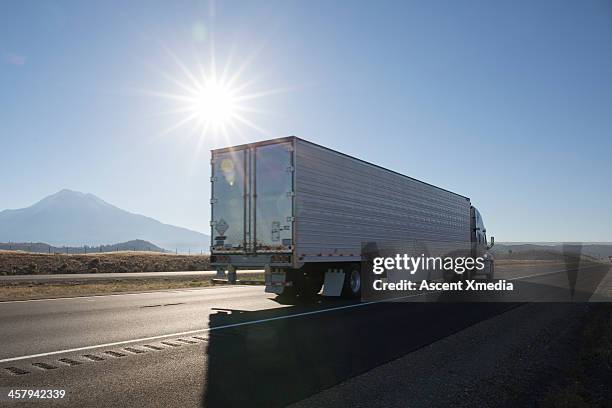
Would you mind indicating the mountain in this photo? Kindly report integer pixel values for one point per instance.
(72, 218)
(41, 247)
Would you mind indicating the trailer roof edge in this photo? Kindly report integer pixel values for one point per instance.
(292, 138)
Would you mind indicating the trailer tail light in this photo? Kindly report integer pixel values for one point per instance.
(280, 258)
(219, 259)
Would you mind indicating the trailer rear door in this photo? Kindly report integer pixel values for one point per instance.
(273, 197)
(252, 199)
(228, 200)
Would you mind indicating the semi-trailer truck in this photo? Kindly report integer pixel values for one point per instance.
(301, 212)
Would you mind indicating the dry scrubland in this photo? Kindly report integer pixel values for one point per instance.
(27, 263)
(42, 290)
(24, 263)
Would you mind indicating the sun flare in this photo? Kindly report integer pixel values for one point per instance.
(215, 104)
(218, 103)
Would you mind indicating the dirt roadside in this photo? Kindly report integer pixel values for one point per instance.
(26, 263)
(43, 290)
(540, 354)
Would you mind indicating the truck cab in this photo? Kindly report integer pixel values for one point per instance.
(480, 246)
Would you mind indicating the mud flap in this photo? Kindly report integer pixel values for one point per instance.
(275, 280)
(334, 281)
(231, 274)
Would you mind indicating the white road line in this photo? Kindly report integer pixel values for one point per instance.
(209, 329)
(551, 273)
(124, 294)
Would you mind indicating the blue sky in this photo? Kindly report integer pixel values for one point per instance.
(509, 103)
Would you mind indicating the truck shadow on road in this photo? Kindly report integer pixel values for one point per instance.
(278, 360)
(267, 358)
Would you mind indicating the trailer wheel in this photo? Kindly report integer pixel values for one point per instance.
(308, 286)
(306, 283)
(352, 283)
(289, 294)
(449, 276)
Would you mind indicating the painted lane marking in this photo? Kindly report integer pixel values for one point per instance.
(551, 273)
(207, 330)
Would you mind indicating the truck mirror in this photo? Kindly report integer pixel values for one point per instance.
(492, 242)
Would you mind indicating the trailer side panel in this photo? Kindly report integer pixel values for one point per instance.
(342, 201)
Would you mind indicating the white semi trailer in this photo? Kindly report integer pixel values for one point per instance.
(301, 212)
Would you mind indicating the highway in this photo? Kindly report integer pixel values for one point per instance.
(222, 346)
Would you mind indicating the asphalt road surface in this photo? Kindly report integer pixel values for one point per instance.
(223, 346)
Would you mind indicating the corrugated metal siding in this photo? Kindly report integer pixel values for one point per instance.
(342, 201)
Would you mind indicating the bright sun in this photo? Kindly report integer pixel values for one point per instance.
(215, 104)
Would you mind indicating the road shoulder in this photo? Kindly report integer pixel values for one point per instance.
(504, 361)
(604, 290)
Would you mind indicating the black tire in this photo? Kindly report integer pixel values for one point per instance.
(466, 275)
(449, 276)
(352, 283)
(289, 294)
(306, 283)
(310, 289)
(308, 286)
(491, 273)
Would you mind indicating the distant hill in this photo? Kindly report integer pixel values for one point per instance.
(41, 247)
(74, 219)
